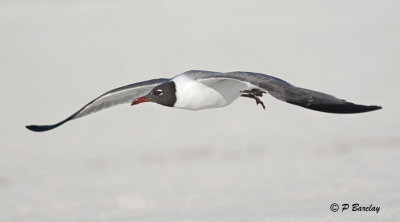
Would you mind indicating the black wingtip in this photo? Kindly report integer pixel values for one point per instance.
(346, 108)
(375, 108)
(37, 128)
(42, 128)
(355, 108)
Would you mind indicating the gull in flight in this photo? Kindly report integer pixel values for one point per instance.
(197, 90)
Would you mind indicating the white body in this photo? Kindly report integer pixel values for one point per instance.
(206, 93)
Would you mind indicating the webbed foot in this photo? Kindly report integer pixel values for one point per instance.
(254, 94)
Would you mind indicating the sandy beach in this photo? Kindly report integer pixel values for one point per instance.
(238, 163)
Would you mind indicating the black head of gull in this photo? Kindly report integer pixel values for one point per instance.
(163, 94)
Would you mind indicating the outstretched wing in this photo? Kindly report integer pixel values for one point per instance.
(124, 94)
(287, 92)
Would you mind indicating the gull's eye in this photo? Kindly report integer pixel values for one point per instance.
(159, 92)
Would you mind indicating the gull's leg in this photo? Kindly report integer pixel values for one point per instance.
(254, 93)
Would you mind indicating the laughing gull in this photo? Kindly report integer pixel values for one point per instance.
(197, 90)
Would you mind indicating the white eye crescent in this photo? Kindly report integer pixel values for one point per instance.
(159, 92)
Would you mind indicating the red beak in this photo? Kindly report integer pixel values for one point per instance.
(140, 100)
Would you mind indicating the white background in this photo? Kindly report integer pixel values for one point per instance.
(238, 163)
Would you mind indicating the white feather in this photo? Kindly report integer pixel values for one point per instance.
(206, 93)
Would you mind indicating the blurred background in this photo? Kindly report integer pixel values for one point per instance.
(238, 163)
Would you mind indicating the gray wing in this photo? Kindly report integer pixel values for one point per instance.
(124, 94)
(287, 92)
